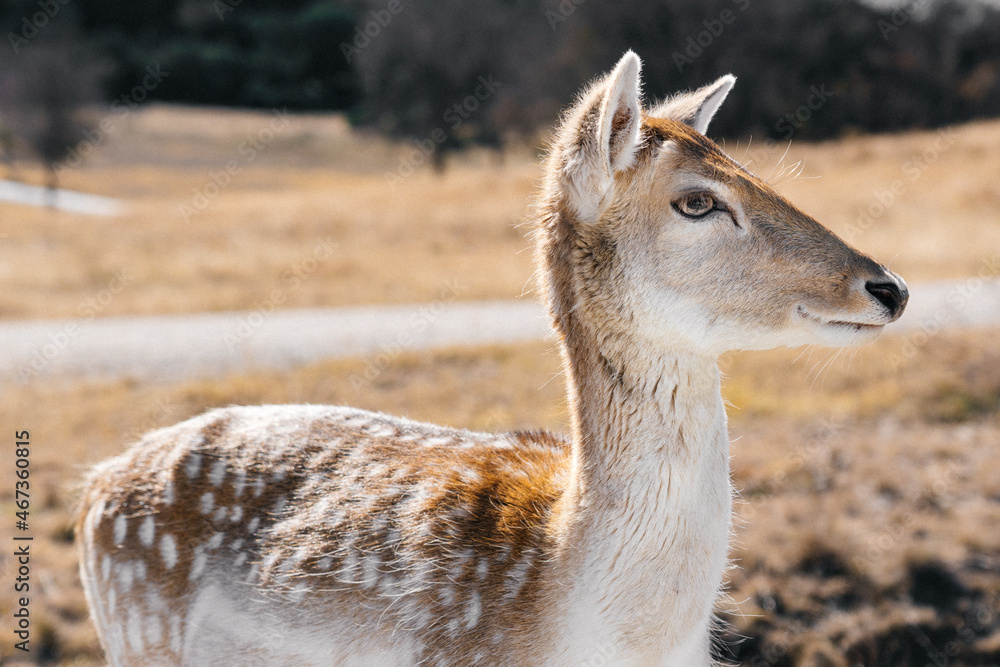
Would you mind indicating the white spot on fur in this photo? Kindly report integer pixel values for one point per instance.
(350, 564)
(423, 531)
(258, 486)
(207, 502)
(254, 573)
(124, 572)
(458, 567)
(134, 631)
(168, 492)
(193, 465)
(218, 472)
(392, 537)
(156, 605)
(324, 563)
(105, 567)
(517, 576)
(220, 513)
(389, 586)
(237, 544)
(325, 514)
(421, 496)
(420, 573)
(154, 629)
(356, 422)
(369, 570)
(316, 482)
(252, 526)
(175, 634)
(290, 563)
(236, 513)
(239, 482)
(279, 505)
(112, 600)
(120, 529)
(473, 611)
(269, 562)
(139, 569)
(147, 531)
(377, 430)
(279, 473)
(216, 541)
(240, 559)
(482, 569)
(168, 548)
(198, 564)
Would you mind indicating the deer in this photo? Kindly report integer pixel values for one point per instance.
(320, 535)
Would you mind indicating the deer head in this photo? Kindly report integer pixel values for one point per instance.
(651, 232)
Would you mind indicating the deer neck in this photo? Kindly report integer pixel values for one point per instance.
(646, 521)
(634, 407)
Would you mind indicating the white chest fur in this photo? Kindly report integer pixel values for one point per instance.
(646, 549)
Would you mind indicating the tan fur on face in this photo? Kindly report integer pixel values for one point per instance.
(747, 277)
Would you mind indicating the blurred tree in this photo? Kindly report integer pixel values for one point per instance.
(436, 71)
(7, 151)
(44, 94)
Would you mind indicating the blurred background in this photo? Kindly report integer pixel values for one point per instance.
(213, 202)
(395, 66)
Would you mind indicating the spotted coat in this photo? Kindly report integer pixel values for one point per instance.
(317, 510)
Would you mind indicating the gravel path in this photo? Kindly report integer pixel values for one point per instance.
(177, 346)
(172, 347)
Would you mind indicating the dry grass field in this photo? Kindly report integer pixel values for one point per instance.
(870, 494)
(924, 202)
(869, 529)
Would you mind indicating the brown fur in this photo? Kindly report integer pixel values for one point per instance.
(495, 502)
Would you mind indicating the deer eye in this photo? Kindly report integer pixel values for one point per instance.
(696, 205)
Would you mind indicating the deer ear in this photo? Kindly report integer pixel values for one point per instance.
(696, 108)
(621, 114)
(600, 136)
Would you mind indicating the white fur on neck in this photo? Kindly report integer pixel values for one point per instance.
(653, 522)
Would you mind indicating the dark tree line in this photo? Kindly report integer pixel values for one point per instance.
(453, 72)
(807, 68)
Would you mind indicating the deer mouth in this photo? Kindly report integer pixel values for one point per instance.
(841, 324)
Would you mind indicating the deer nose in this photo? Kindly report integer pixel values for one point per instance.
(891, 292)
